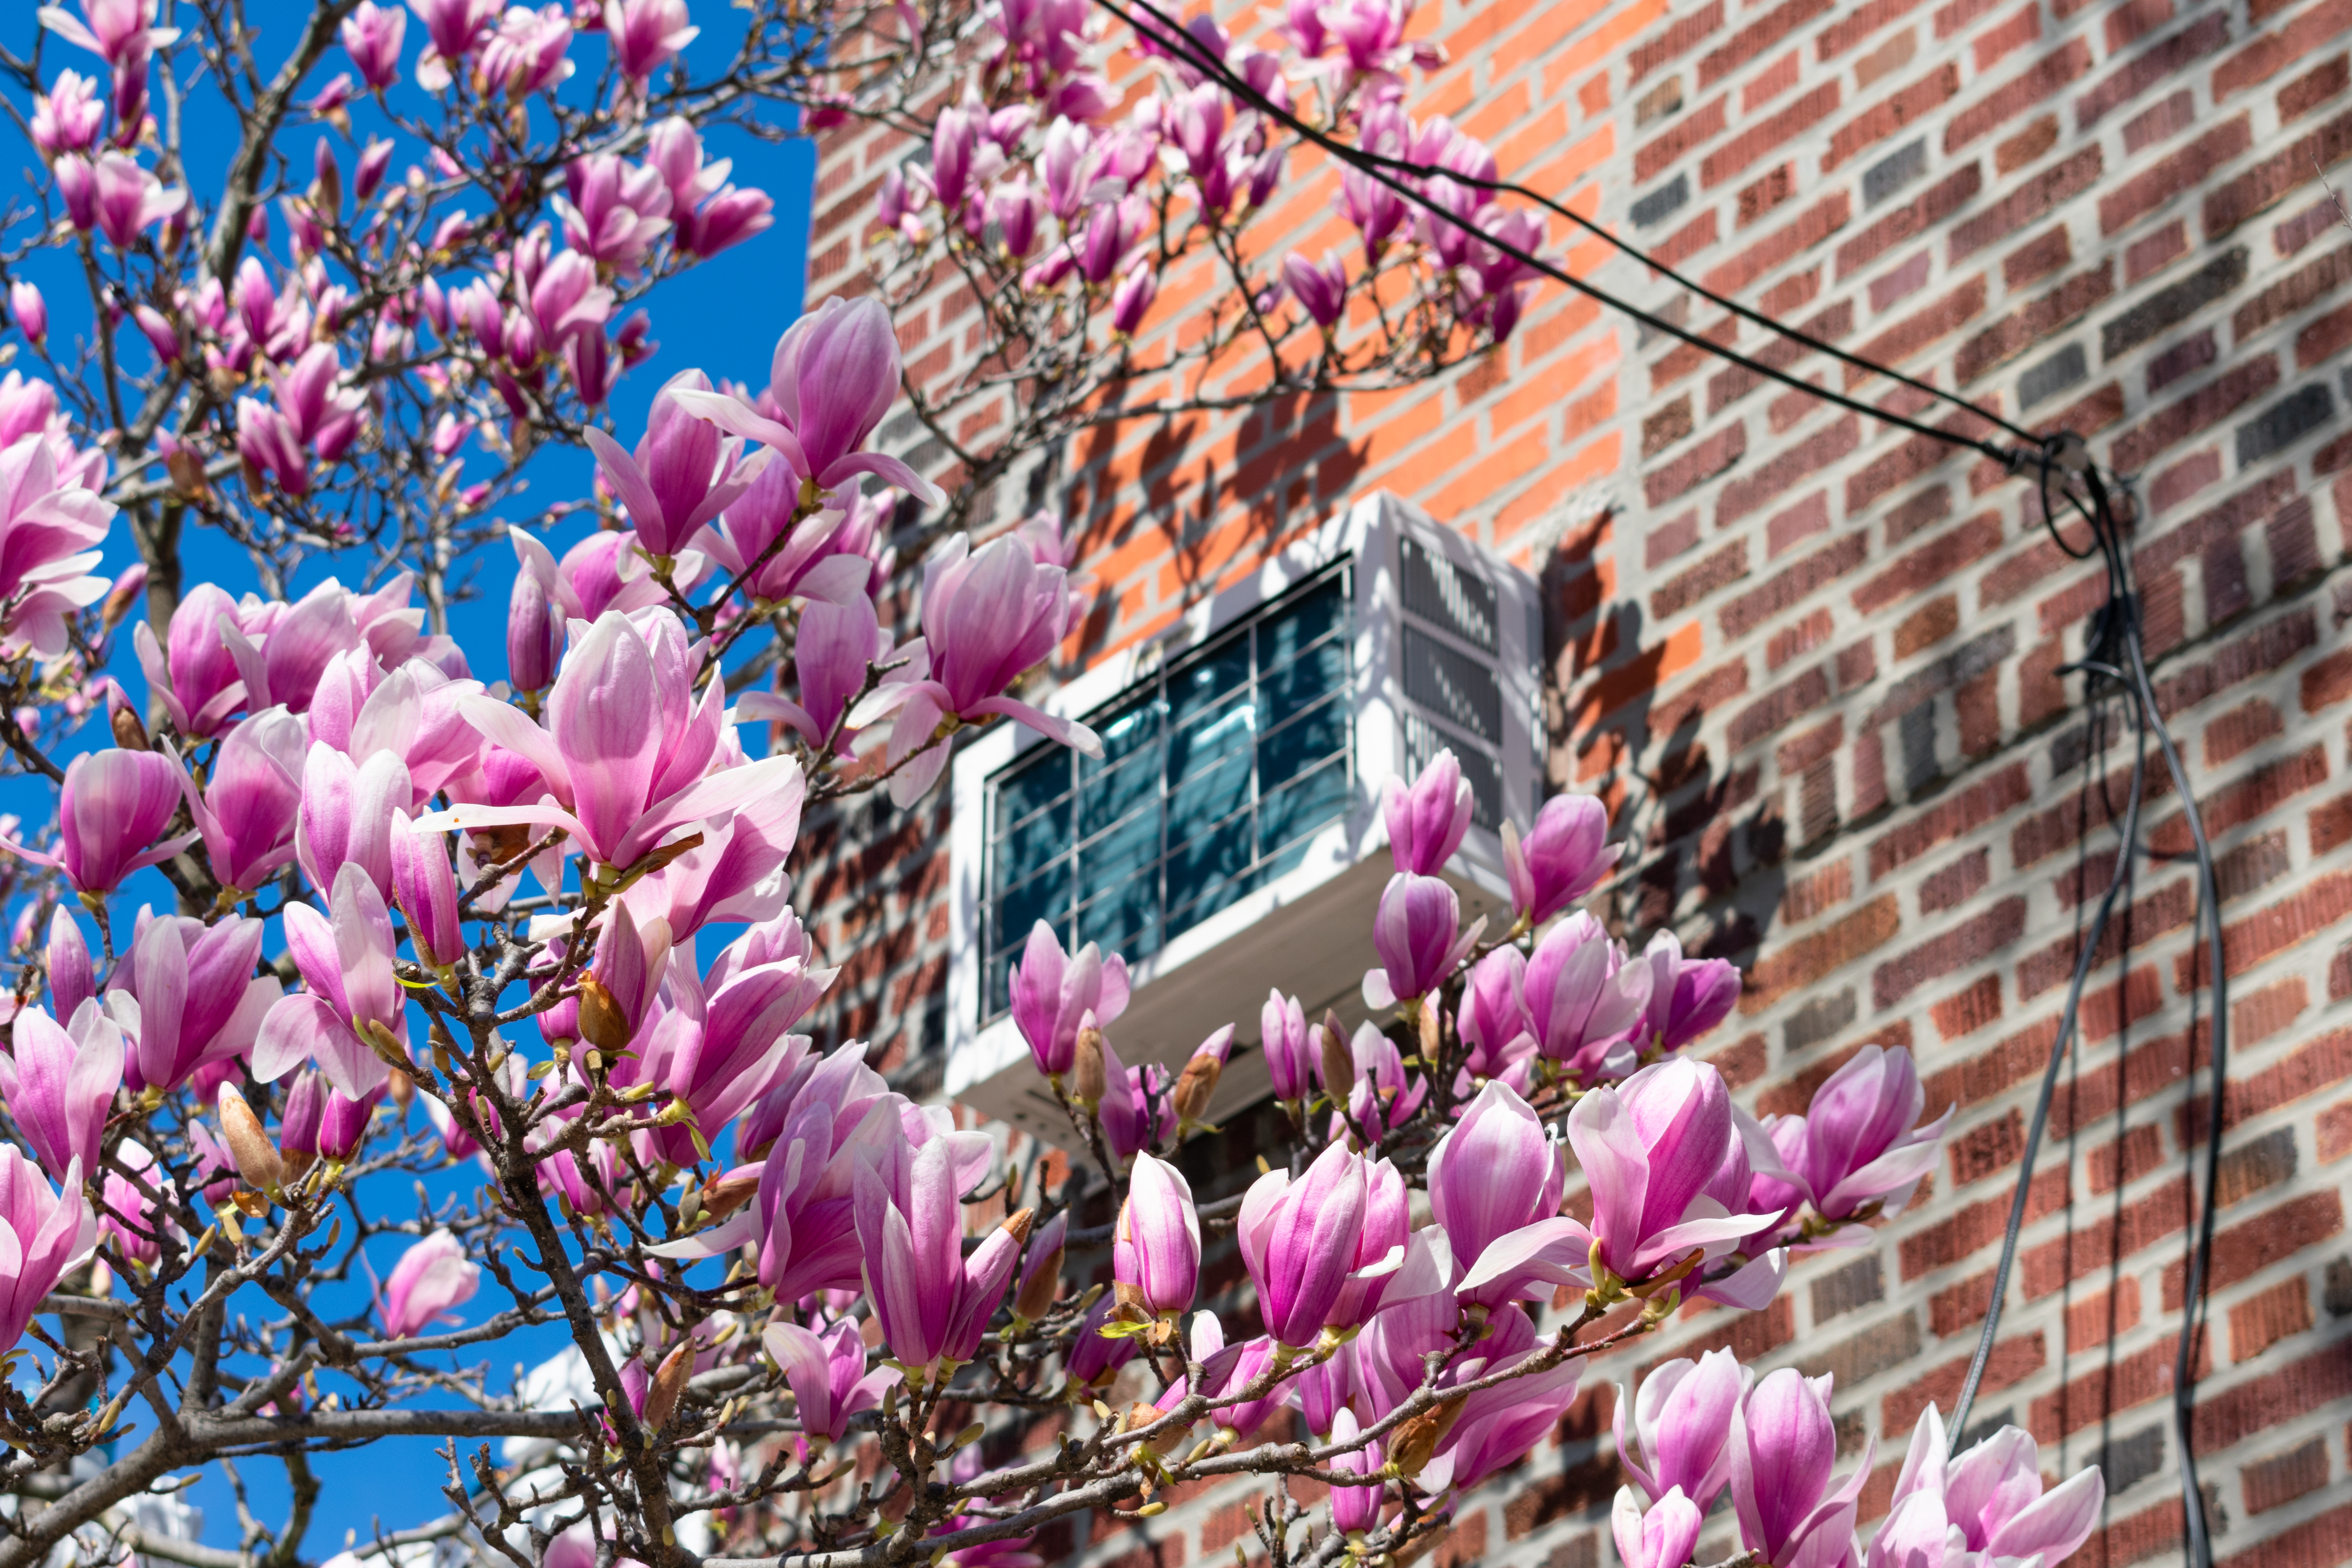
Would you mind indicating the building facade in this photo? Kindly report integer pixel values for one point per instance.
(1817, 668)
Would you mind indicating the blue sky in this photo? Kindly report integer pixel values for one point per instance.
(723, 317)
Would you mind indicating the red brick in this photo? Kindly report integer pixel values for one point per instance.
(1812, 227)
(2139, 1152)
(1985, 1147)
(2026, 202)
(2229, 1415)
(2243, 383)
(2243, 1250)
(1859, 24)
(2101, 1319)
(2135, 19)
(2104, 1240)
(1891, 114)
(2274, 52)
(1681, 36)
(1694, 583)
(1920, 329)
(2244, 799)
(1699, 126)
(1961, 812)
(2314, 88)
(2279, 1481)
(1969, 1010)
(1969, 941)
(2169, 58)
(2240, 198)
(1938, 202)
(2313, 281)
(1933, 562)
(2047, 75)
(2012, 1361)
(1695, 466)
(2232, 734)
(2317, 905)
(2336, 1131)
(1978, 1225)
(2168, 176)
(2038, 319)
(1767, 133)
(1810, 958)
(1784, 471)
(1756, 37)
(2121, 1384)
(2261, 1321)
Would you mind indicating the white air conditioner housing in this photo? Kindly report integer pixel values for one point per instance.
(1443, 639)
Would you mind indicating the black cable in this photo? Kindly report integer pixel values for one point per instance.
(1171, 35)
(1376, 166)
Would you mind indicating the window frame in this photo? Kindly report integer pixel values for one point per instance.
(988, 1064)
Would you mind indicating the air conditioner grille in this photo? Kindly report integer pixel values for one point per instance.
(1442, 594)
(1453, 686)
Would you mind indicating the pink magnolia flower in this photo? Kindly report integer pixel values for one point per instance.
(988, 619)
(121, 31)
(1687, 997)
(531, 51)
(1156, 1245)
(251, 798)
(835, 647)
(1320, 288)
(1130, 303)
(1418, 935)
(828, 1374)
(31, 311)
(1355, 1509)
(352, 1015)
(834, 375)
(1583, 1001)
(196, 679)
(109, 808)
(426, 890)
(71, 979)
(1650, 1148)
(346, 813)
(50, 1234)
(1660, 1538)
(1055, 993)
(131, 199)
(1783, 1447)
(682, 474)
(933, 1301)
(1986, 1505)
(372, 35)
(614, 211)
(1492, 1174)
(431, 1278)
(1426, 821)
(66, 119)
(282, 651)
(718, 1054)
(453, 29)
(647, 33)
(1682, 1427)
(198, 1000)
(1493, 1019)
(59, 1085)
(616, 783)
(1860, 1141)
(1563, 857)
(1282, 1035)
(1298, 1240)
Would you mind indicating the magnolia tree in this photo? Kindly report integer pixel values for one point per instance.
(334, 919)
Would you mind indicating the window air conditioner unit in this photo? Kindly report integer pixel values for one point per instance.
(1230, 839)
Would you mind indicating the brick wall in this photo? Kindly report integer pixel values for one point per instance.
(1815, 663)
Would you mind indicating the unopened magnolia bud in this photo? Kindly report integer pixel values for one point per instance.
(402, 1087)
(1339, 1061)
(722, 1195)
(130, 733)
(1432, 1033)
(1037, 1297)
(1195, 1087)
(1140, 1415)
(602, 1022)
(1414, 1443)
(1018, 1222)
(241, 1132)
(668, 1382)
(1088, 1079)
